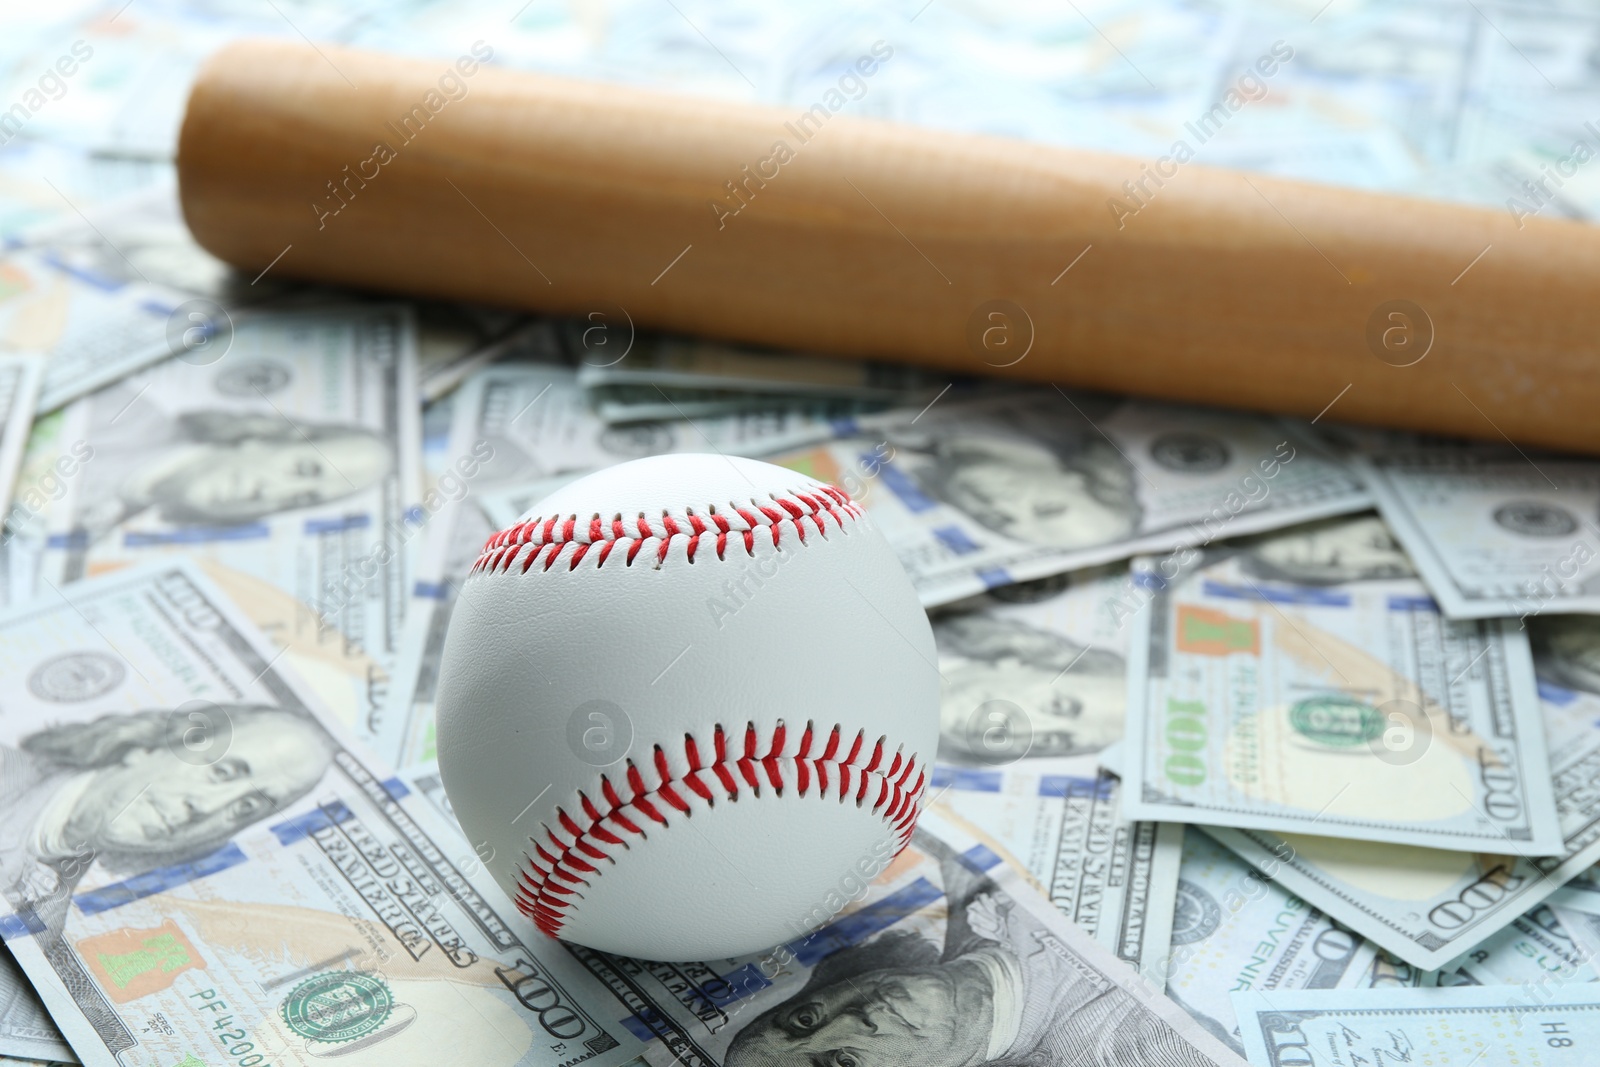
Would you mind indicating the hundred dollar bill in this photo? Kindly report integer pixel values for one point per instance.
(1566, 654)
(1058, 823)
(1302, 683)
(49, 464)
(1456, 1026)
(1582, 893)
(288, 468)
(19, 391)
(624, 403)
(94, 330)
(114, 288)
(1111, 758)
(1493, 532)
(1583, 928)
(199, 865)
(453, 341)
(1033, 670)
(515, 427)
(140, 238)
(1234, 929)
(687, 363)
(27, 1032)
(978, 493)
(904, 947)
(1538, 948)
(504, 506)
(1427, 906)
(947, 957)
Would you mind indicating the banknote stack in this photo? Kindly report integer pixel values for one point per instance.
(1261, 740)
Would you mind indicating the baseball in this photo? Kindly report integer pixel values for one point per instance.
(687, 707)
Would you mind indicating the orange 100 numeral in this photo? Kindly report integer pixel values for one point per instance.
(1186, 735)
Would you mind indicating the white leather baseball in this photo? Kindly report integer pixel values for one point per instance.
(684, 705)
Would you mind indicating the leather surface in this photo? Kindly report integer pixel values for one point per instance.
(826, 633)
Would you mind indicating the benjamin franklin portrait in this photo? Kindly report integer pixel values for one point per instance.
(1072, 698)
(1068, 495)
(998, 992)
(1329, 552)
(222, 468)
(131, 792)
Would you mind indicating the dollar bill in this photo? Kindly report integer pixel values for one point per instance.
(979, 493)
(20, 377)
(1583, 928)
(504, 506)
(1538, 948)
(187, 828)
(1455, 1026)
(685, 363)
(1566, 654)
(454, 341)
(406, 729)
(26, 1029)
(1302, 683)
(1428, 907)
(949, 958)
(94, 330)
(626, 402)
(288, 468)
(1493, 531)
(113, 288)
(1111, 758)
(1581, 893)
(1235, 929)
(1034, 670)
(902, 946)
(1059, 823)
(623, 403)
(49, 464)
(518, 430)
(139, 238)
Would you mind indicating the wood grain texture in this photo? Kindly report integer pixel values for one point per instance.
(883, 240)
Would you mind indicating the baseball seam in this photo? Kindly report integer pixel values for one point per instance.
(793, 511)
(568, 855)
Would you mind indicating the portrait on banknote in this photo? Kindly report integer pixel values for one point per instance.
(999, 990)
(1056, 493)
(136, 791)
(978, 492)
(219, 467)
(1327, 553)
(183, 825)
(1071, 696)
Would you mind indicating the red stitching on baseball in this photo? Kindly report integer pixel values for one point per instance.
(528, 540)
(566, 857)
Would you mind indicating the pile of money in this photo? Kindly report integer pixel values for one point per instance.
(1261, 739)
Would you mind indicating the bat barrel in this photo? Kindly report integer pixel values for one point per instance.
(813, 230)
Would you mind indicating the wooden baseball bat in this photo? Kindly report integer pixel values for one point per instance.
(809, 229)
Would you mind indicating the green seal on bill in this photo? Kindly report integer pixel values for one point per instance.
(337, 1006)
(1336, 721)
